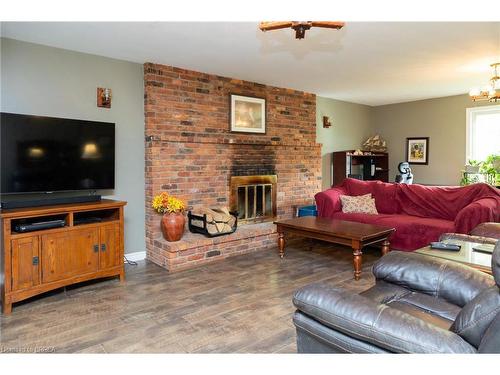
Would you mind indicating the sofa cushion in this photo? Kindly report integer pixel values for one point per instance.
(421, 314)
(358, 187)
(400, 297)
(383, 193)
(432, 305)
(412, 232)
(383, 292)
(364, 204)
(385, 197)
(358, 218)
(443, 202)
(456, 283)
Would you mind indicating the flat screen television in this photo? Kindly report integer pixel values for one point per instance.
(48, 154)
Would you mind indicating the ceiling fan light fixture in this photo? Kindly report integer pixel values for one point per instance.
(300, 27)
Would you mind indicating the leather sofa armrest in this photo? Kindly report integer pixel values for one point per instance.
(490, 342)
(454, 282)
(481, 211)
(328, 201)
(368, 321)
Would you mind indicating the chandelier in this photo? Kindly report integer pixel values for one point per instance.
(490, 92)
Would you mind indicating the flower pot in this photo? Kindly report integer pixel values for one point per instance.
(172, 226)
(472, 168)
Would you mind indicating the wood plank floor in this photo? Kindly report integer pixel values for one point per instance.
(238, 305)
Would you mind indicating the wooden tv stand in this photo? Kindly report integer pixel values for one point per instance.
(89, 246)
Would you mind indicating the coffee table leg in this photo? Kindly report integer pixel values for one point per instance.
(281, 244)
(357, 260)
(385, 247)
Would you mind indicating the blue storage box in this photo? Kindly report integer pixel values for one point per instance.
(307, 211)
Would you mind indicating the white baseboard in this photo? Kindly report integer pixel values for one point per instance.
(139, 255)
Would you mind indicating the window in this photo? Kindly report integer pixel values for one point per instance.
(483, 132)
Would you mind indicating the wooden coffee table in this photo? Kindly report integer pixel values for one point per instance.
(352, 234)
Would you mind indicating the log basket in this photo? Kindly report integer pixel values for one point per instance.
(196, 229)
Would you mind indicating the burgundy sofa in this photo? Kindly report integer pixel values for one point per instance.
(419, 213)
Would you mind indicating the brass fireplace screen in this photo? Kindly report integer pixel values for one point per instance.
(254, 197)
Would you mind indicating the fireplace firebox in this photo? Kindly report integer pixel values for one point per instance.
(254, 197)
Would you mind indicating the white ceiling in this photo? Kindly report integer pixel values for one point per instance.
(365, 62)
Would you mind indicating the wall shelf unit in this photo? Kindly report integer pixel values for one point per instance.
(374, 166)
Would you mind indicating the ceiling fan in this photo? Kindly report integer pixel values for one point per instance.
(300, 27)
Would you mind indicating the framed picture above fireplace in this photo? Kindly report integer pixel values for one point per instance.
(248, 114)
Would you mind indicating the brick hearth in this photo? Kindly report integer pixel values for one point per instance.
(195, 249)
(191, 153)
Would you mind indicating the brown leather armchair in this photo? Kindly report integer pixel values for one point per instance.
(419, 304)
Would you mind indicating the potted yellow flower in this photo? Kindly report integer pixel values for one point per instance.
(173, 220)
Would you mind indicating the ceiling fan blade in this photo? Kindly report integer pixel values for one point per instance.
(328, 24)
(274, 25)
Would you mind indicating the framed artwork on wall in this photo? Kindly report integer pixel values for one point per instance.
(248, 114)
(417, 150)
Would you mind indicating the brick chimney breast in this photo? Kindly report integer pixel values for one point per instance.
(190, 152)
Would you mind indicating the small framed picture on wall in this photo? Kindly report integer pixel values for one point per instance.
(417, 150)
(248, 114)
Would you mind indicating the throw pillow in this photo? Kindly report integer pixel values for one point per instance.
(362, 204)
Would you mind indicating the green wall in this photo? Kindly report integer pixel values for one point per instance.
(441, 119)
(351, 125)
(54, 82)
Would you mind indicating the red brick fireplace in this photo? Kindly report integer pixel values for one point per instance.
(190, 152)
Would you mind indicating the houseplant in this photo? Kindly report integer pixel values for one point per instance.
(473, 166)
(491, 167)
(487, 171)
(173, 220)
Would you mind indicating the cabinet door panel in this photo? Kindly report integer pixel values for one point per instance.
(110, 246)
(69, 254)
(25, 267)
(85, 254)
